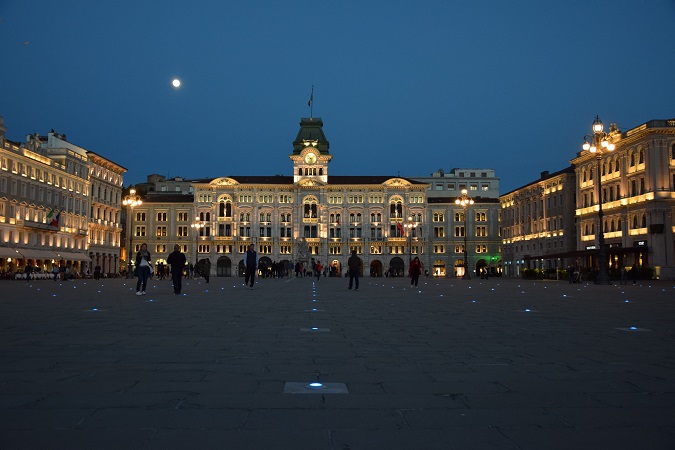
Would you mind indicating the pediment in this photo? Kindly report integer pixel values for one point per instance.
(396, 182)
(224, 181)
(310, 182)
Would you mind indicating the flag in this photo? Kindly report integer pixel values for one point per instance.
(311, 97)
(55, 220)
(337, 219)
(400, 228)
(51, 213)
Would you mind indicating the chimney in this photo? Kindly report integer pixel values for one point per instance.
(544, 174)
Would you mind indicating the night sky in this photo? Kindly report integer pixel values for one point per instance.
(403, 87)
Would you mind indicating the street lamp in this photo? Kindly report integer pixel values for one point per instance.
(197, 224)
(464, 201)
(599, 145)
(131, 201)
(410, 226)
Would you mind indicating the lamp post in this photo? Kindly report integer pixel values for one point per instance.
(599, 145)
(410, 226)
(464, 201)
(131, 201)
(196, 225)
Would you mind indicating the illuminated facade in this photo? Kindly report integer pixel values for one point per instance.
(538, 225)
(638, 199)
(45, 204)
(307, 217)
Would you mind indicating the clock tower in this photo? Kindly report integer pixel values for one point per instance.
(310, 155)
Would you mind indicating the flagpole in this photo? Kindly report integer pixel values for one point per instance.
(311, 104)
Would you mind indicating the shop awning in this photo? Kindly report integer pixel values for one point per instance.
(29, 253)
(8, 252)
(71, 256)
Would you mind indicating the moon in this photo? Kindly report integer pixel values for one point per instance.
(176, 82)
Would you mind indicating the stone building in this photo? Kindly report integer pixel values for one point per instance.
(636, 185)
(538, 224)
(306, 217)
(46, 204)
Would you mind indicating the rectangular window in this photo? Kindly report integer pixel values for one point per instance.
(161, 217)
(140, 231)
(459, 231)
(161, 231)
(182, 231)
(140, 217)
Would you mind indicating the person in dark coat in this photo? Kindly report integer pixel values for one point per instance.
(251, 263)
(206, 269)
(177, 262)
(354, 264)
(415, 270)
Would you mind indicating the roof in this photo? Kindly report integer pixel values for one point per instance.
(311, 129)
(544, 176)
(332, 179)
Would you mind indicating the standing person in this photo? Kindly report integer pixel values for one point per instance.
(623, 275)
(143, 269)
(251, 263)
(28, 270)
(319, 268)
(97, 272)
(415, 270)
(177, 262)
(55, 271)
(354, 264)
(206, 269)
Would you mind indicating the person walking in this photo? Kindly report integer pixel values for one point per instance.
(319, 268)
(415, 270)
(206, 269)
(251, 263)
(177, 262)
(143, 267)
(55, 272)
(354, 264)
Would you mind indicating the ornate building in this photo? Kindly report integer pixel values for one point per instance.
(447, 221)
(538, 224)
(307, 217)
(637, 181)
(105, 216)
(45, 204)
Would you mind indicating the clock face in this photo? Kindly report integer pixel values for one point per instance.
(310, 158)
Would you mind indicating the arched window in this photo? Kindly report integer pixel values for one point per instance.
(641, 158)
(635, 219)
(583, 175)
(320, 170)
(631, 159)
(396, 209)
(300, 171)
(644, 221)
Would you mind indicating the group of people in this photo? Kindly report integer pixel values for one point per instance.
(177, 261)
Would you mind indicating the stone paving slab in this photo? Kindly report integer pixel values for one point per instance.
(503, 363)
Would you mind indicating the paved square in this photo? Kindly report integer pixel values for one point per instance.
(503, 363)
